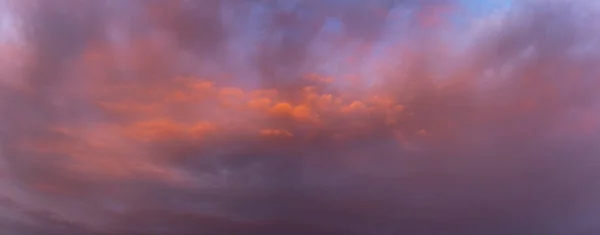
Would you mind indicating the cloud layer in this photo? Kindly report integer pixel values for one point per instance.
(299, 117)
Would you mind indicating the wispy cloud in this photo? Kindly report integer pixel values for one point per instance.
(299, 117)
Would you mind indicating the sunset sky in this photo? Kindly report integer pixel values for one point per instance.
(353, 117)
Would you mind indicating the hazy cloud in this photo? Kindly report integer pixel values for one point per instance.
(299, 117)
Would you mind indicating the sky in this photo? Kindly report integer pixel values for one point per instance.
(354, 117)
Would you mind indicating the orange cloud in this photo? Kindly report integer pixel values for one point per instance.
(397, 123)
(203, 85)
(281, 108)
(260, 103)
(202, 128)
(129, 107)
(302, 112)
(275, 132)
(265, 93)
(165, 129)
(354, 106)
(178, 96)
(155, 130)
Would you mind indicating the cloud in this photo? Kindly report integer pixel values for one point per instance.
(297, 117)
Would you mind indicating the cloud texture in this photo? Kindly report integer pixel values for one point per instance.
(299, 117)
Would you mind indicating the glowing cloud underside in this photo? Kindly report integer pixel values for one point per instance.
(299, 117)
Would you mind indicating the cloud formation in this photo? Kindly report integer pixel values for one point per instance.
(299, 117)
